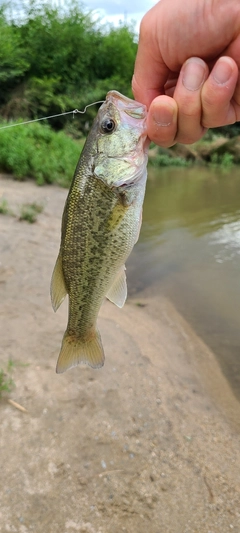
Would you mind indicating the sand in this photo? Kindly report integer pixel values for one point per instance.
(149, 443)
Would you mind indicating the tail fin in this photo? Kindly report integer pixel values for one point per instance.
(75, 351)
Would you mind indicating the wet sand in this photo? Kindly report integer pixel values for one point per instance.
(148, 443)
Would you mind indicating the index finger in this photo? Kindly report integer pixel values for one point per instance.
(150, 71)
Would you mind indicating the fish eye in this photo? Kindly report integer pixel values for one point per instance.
(108, 125)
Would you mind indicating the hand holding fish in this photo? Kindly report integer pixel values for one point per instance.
(187, 68)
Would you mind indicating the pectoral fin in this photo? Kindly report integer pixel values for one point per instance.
(139, 227)
(58, 289)
(118, 291)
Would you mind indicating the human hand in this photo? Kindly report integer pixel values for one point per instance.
(186, 94)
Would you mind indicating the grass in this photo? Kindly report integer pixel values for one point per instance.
(162, 157)
(36, 151)
(140, 304)
(163, 160)
(29, 212)
(224, 160)
(4, 208)
(6, 381)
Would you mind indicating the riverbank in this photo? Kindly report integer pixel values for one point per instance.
(213, 149)
(48, 157)
(149, 442)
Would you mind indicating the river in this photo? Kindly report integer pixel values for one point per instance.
(189, 251)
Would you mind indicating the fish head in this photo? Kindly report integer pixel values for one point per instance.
(121, 141)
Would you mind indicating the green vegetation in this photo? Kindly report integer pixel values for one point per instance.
(164, 160)
(6, 381)
(224, 160)
(4, 209)
(38, 152)
(29, 212)
(53, 61)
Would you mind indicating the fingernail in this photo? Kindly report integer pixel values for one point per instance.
(193, 74)
(162, 116)
(222, 71)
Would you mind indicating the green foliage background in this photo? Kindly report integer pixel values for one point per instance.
(53, 61)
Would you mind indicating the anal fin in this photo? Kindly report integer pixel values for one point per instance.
(118, 291)
(58, 289)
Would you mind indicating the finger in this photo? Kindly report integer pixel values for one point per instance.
(217, 92)
(233, 51)
(188, 97)
(162, 121)
(236, 99)
(150, 71)
(171, 83)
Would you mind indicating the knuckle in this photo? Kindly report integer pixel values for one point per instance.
(215, 99)
(189, 107)
(144, 27)
(190, 114)
(211, 98)
(190, 137)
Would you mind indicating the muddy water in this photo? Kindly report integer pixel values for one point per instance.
(189, 251)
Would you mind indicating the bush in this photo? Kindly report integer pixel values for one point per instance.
(163, 160)
(37, 152)
(224, 160)
(52, 61)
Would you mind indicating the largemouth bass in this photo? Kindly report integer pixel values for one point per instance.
(100, 225)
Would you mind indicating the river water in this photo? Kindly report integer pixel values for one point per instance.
(189, 251)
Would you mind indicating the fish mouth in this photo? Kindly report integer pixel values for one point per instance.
(131, 107)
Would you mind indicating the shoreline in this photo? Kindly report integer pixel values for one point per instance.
(197, 354)
(149, 441)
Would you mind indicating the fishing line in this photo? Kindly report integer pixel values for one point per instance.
(74, 112)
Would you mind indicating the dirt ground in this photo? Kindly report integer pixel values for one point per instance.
(149, 443)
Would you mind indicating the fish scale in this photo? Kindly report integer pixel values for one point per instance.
(100, 225)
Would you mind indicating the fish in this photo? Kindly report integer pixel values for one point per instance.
(100, 225)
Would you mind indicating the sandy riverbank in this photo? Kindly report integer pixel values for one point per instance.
(148, 443)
